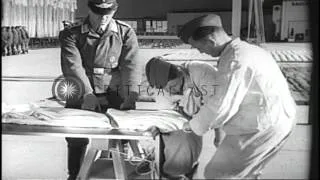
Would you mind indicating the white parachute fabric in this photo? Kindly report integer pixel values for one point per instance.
(53, 116)
(165, 120)
(134, 120)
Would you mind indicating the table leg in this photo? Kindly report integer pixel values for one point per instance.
(135, 148)
(156, 174)
(118, 161)
(86, 165)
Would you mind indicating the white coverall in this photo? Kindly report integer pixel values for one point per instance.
(198, 87)
(182, 150)
(253, 106)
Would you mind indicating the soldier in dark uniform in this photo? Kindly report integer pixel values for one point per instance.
(15, 39)
(22, 39)
(103, 54)
(4, 40)
(19, 44)
(25, 39)
(10, 41)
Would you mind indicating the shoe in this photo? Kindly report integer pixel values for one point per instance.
(144, 168)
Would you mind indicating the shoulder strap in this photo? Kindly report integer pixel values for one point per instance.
(120, 31)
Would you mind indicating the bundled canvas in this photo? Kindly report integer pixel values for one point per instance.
(53, 116)
(30, 114)
(165, 120)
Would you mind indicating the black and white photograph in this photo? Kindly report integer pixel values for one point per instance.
(159, 89)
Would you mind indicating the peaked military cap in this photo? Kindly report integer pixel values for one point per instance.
(102, 7)
(190, 27)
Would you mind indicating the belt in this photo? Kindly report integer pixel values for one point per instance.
(101, 71)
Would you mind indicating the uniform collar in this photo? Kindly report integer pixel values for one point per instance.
(111, 27)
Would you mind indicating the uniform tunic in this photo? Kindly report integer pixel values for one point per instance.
(106, 62)
(107, 65)
(253, 105)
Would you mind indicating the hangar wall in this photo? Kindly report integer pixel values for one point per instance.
(159, 8)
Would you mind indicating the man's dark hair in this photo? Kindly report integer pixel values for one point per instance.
(174, 72)
(202, 32)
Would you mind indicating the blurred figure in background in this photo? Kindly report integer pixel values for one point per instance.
(25, 39)
(19, 43)
(10, 41)
(4, 41)
(15, 40)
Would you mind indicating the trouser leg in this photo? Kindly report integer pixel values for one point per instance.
(76, 151)
(19, 48)
(9, 48)
(27, 46)
(4, 51)
(14, 49)
(181, 152)
(23, 48)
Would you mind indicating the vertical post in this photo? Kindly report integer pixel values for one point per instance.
(236, 17)
(259, 21)
(118, 160)
(249, 18)
(158, 158)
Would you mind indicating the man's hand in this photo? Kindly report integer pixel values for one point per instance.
(186, 127)
(91, 102)
(129, 102)
(152, 131)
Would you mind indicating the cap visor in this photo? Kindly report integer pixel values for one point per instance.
(104, 5)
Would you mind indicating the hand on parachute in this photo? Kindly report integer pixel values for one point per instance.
(129, 102)
(152, 131)
(91, 103)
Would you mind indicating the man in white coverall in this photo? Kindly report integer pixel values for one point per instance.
(194, 83)
(252, 101)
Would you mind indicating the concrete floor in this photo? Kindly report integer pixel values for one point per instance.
(32, 157)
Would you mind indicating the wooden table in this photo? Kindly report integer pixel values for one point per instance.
(99, 138)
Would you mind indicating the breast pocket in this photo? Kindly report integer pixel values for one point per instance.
(112, 60)
(114, 52)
